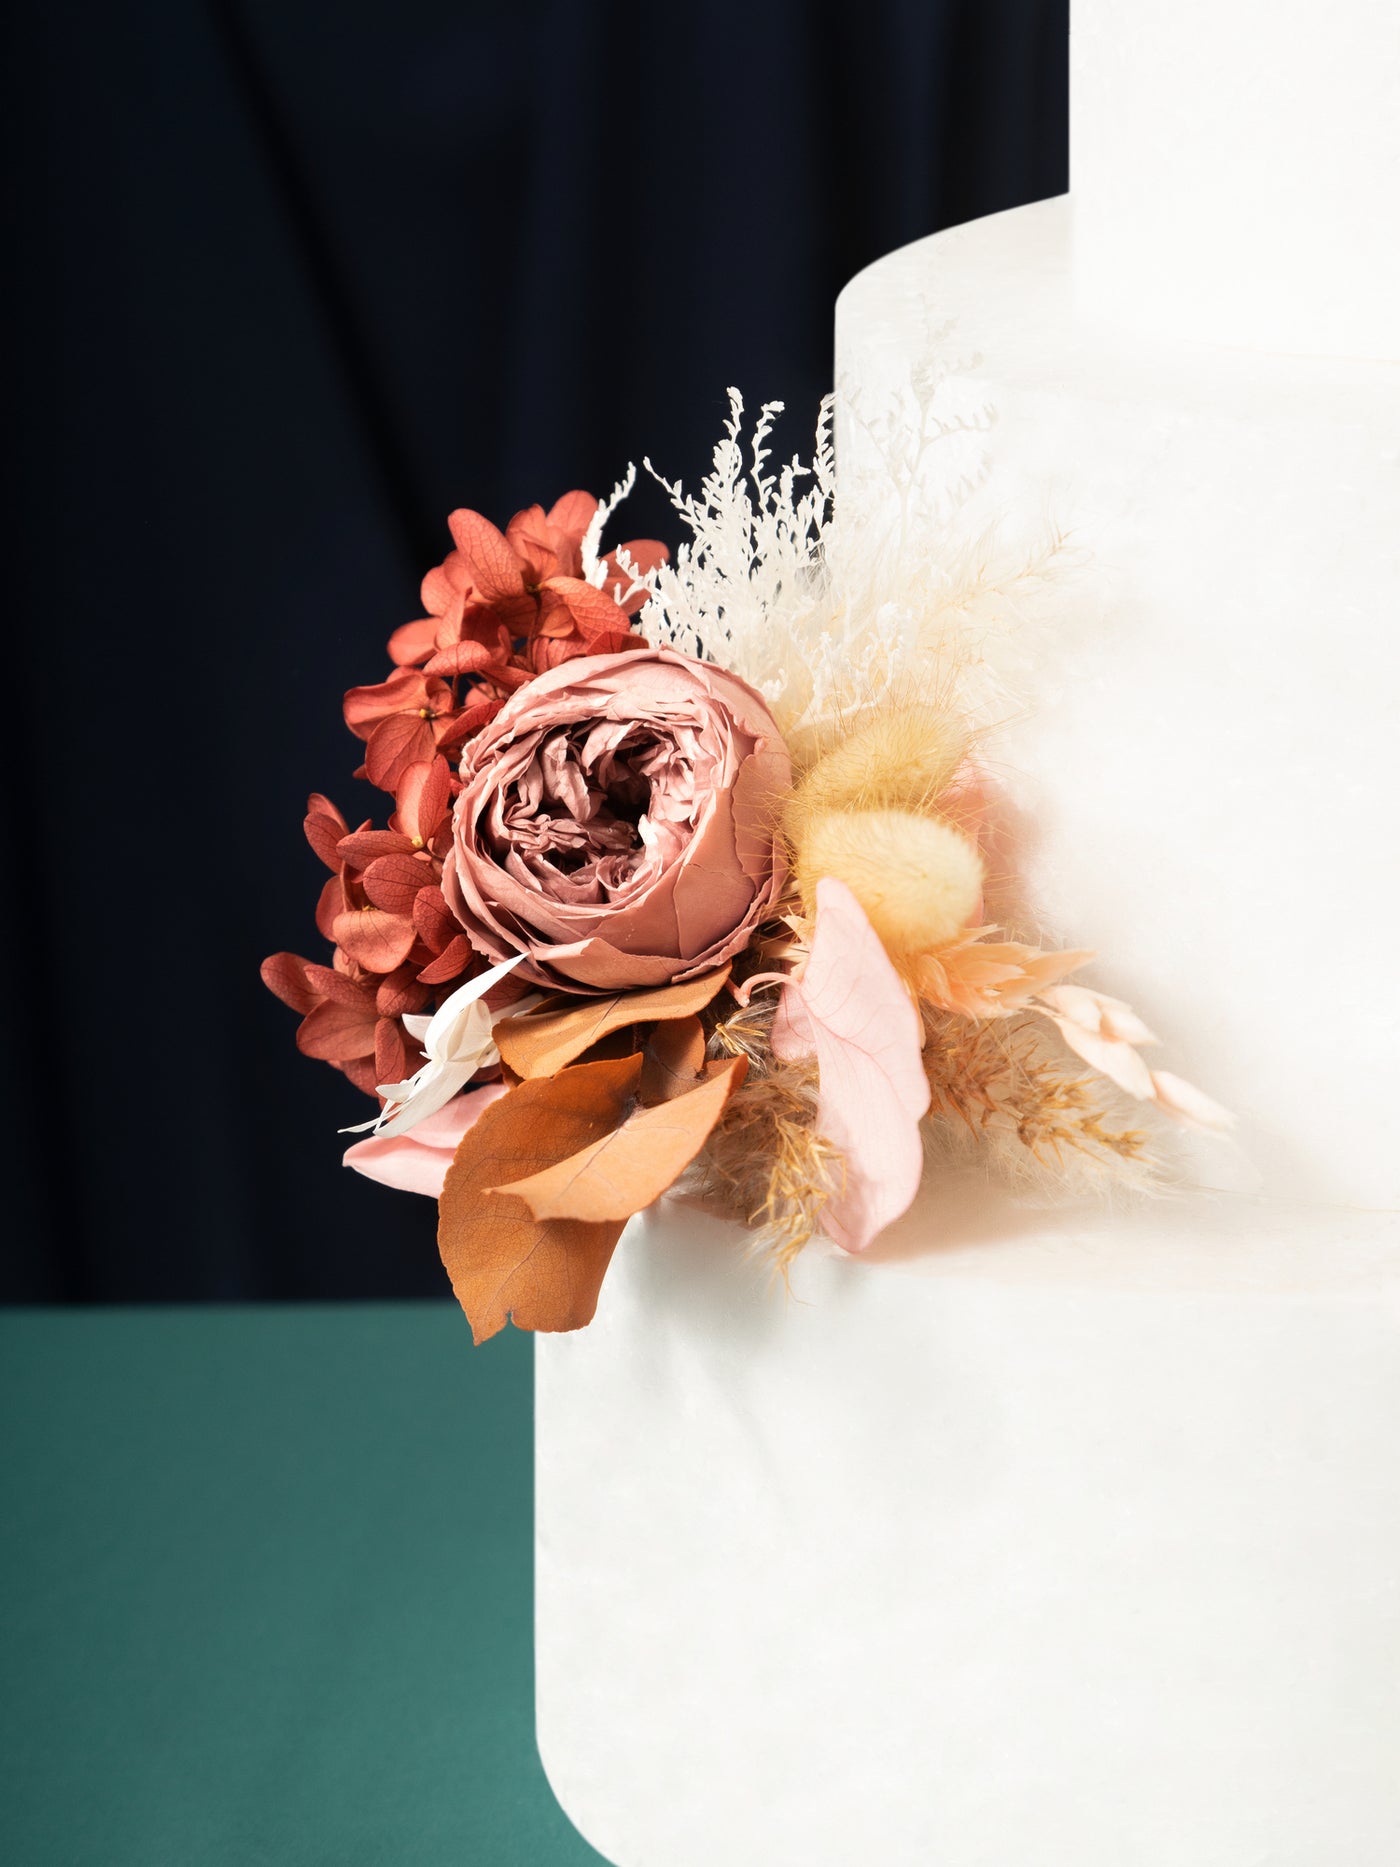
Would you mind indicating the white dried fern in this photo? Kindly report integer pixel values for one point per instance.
(748, 588)
(826, 604)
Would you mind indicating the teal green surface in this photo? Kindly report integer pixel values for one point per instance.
(265, 1592)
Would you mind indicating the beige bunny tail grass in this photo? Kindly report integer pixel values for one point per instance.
(919, 880)
(999, 1088)
(895, 757)
(766, 1162)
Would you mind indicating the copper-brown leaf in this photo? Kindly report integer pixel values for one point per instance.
(505, 1265)
(620, 1173)
(673, 1061)
(541, 1042)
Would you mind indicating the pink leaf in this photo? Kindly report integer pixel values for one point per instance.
(417, 1162)
(852, 1011)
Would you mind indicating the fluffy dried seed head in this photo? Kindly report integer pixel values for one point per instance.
(897, 758)
(918, 879)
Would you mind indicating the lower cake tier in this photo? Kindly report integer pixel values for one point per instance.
(1030, 1540)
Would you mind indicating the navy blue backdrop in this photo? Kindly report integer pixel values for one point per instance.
(292, 280)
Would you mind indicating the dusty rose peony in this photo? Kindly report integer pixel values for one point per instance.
(617, 822)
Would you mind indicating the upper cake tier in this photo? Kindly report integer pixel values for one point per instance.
(1235, 168)
(1203, 745)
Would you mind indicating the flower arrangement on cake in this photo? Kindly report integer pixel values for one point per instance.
(695, 873)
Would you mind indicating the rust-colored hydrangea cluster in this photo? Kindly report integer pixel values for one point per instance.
(501, 608)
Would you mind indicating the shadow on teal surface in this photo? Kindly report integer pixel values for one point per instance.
(265, 1592)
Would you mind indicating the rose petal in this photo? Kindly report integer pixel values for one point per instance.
(704, 869)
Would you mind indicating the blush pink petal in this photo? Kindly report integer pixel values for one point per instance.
(417, 1162)
(617, 822)
(851, 1010)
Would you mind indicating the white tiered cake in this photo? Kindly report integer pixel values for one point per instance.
(1038, 1537)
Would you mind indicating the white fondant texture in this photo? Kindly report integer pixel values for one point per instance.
(1060, 1547)
(1235, 166)
(1049, 1537)
(1208, 748)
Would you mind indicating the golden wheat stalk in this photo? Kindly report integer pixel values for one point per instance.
(1000, 1082)
(766, 1161)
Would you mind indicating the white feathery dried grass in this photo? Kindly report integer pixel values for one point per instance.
(749, 588)
(826, 604)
